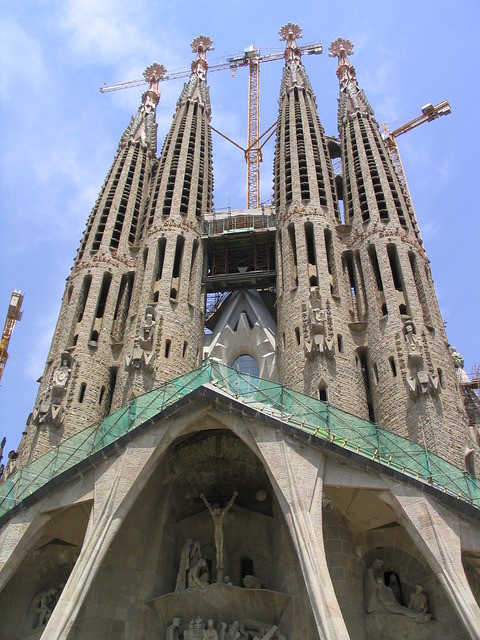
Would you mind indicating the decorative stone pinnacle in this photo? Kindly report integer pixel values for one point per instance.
(201, 45)
(341, 48)
(153, 74)
(290, 31)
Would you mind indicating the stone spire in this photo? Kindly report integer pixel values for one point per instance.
(78, 384)
(314, 345)
(352, 98)
(399, 331)
(167, 339)
(142, 126)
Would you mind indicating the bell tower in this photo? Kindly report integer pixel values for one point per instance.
(168, 336)
(79, 381)
(315, 346)
(403, 348)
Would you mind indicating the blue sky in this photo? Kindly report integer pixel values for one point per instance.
(60, 133)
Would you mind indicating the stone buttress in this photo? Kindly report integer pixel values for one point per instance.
(403, 348)
(78, 383)
(315, 346)
(168, 337)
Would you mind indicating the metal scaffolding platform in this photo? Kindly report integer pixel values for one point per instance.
(240, 248)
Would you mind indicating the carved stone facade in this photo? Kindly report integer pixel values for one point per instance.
(216, 519)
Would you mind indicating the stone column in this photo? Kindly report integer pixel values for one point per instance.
(297, 477)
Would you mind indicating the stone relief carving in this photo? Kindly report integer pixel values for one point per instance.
(147, 329)
(193, 572)
(419, 381)
(49, 409)
(318, 342)
(198, 629)
(382, 599)
(142, 357)
(43, 605)
(218, 516)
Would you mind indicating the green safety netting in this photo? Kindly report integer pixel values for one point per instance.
(312, 416)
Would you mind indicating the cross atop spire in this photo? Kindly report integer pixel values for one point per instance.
(290, 32)
(340, 49)
(200, 46)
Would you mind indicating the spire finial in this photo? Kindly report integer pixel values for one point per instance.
(153, 74)
(341, 48)
(290, 32)
(200, 46)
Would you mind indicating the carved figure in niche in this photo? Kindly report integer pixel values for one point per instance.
(236, 631)
(418, 600)
(60, 378)
(419, 381)
(173, 632)
(218, 516)
(189, 557)
(394, 584)
(147, 329)
(252, 582)
(198, 575)
(389, 603)
(210, 632)
(43, 605)
(415, 358)
(184, 565)
(379, 598)
(317, 317)
(370, 576)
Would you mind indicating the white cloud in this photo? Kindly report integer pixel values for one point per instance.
(21, 62)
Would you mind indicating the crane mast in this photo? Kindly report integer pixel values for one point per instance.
(14, 315)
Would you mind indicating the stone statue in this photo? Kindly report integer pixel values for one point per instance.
(210, 632)
(198, 576)
(235, 631)
(318, 315)
(184, 565)
(252, 582)
(173, 630)
(43, 605)
(147, 329)
(415, 358)
(418, 600)
(394, 585)
(61, 375)
(379, 598)
(218, 516)
(389, 603)
(370, 576)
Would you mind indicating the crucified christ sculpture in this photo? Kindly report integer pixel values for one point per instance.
(218, 516)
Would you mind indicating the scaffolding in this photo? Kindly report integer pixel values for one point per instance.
(314, 418)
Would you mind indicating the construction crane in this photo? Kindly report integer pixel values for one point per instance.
(429, 113)
(13, 315)
(251, 58)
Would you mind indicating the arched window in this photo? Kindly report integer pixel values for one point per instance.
(246, 364)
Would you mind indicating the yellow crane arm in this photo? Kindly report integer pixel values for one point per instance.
(14, 314)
